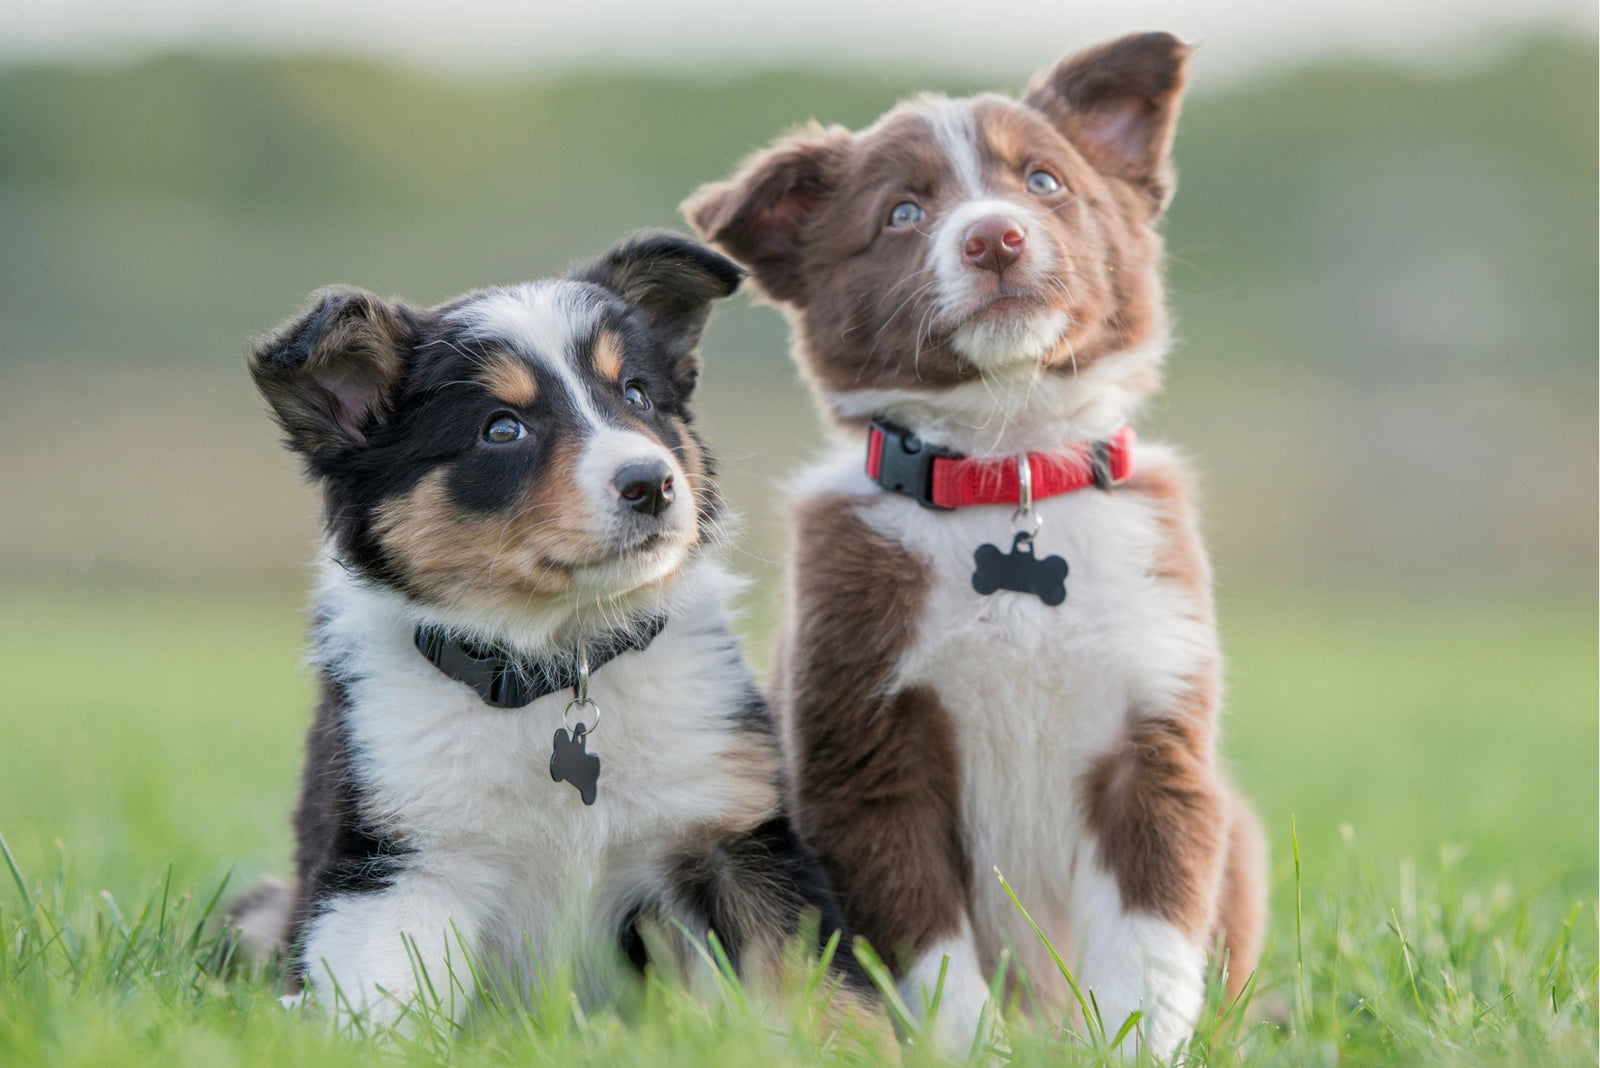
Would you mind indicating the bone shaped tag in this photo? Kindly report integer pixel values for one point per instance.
(571, 762)
(1020, 571)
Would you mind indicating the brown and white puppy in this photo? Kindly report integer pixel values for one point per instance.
(512, 480)
(986, 273)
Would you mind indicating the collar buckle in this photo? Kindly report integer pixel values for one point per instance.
(1103, 467)
(905, 463)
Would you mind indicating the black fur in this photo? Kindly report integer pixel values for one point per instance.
(339, 849)
(375, 395)
(673, 282)
(767, 872)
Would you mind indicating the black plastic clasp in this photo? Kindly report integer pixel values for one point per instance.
(905, 463)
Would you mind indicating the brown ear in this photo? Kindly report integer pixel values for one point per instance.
(1118, 102)
(329, 372)
(759, 215)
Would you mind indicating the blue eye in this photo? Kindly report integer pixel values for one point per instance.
(1043, 183)
(634, 396)
(906, 213)
(503, 429)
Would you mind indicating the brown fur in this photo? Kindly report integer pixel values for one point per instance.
(1242, 899)
(458, 558)
(807, 216)
(876, 771)
(1180, 842)
(1181, 558)
(1160, 818)
(345, 380)
(756, 759)
(461, 558)
(511, 380)
(608, 355)
(1119, 101)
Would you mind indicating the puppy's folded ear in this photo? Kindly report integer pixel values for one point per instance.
(674, 281)
(759, 215)
(1118, 102)
(329, 373)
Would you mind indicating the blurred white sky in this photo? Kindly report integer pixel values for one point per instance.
(997, 37)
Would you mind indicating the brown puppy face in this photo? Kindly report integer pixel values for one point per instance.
(957, 239)
(520, 451)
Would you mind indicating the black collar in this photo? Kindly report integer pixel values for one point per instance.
(505, 680)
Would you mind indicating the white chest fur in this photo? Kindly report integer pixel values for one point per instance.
(1037, 692)
(468, 786)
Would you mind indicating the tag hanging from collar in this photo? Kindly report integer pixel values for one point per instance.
(1019, 570)
(570, 759)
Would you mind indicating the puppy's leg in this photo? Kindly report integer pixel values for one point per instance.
(962, 999)
(1145, 897)
(756, 890)
(884, 808)
(1242, 907)
(375, 952)
(876, 774)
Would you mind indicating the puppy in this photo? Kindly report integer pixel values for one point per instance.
(537, 741)
(999, 649)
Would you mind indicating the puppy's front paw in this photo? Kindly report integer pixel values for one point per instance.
(963, 1020)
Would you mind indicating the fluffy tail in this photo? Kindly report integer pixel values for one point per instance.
(259, 920)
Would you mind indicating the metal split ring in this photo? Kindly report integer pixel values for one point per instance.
(1025, 511)
(580, 696)
(572, 723)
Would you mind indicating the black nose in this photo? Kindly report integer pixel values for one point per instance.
(645, 486)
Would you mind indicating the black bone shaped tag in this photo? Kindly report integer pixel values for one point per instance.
(1020, 571)
(571, 762)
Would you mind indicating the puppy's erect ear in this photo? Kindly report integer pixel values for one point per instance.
(1118, 102)
(674, 281)
(758, 216)
(329, 373)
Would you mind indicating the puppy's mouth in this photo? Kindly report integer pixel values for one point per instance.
(1006, 300)
(632, 559)
(1009, 326)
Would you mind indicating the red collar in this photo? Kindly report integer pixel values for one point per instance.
(936, 477)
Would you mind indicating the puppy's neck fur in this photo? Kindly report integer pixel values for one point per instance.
(544, 632)
(1009, 410)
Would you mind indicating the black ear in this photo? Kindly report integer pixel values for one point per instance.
(329, 373)
(674, 281)
(758, 216)
(1118, 102)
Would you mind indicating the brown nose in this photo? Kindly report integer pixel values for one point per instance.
(993, 244)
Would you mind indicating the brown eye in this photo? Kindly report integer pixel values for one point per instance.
(504, 429)
(634, 396)
(1043, 183)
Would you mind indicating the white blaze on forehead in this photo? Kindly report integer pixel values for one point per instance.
(1020, 338)
(543, 322)
(955, 127)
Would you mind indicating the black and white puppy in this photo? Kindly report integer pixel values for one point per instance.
(537, 735)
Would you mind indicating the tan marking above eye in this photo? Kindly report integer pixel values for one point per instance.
(608, 355)
(511, 380)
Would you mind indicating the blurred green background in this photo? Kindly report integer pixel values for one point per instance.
(1384, 280)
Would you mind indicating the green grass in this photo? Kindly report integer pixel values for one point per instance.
(1436, 761)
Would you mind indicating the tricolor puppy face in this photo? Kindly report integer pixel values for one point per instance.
(517, 449)
(959, 238)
